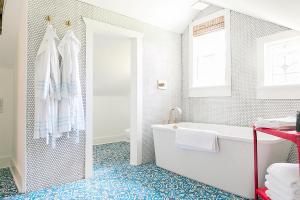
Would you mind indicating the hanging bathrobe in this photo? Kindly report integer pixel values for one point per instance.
(47, 87)
(71, 114)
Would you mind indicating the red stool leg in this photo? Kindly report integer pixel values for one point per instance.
(298, 146)
(255, 164)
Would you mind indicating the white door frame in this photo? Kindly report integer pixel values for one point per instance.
(95, 27)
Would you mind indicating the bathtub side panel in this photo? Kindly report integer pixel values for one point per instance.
(231, 169)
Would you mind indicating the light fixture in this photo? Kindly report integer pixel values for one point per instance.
(199, 5)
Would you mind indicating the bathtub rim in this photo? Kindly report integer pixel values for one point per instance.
(265, 140)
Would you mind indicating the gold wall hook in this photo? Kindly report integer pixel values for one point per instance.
(48, 18)
(68, 23)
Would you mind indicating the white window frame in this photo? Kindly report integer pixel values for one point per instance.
(214, 91)
(273, 92)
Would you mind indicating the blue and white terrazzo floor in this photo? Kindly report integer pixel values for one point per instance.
(114, 179)
(7, 185)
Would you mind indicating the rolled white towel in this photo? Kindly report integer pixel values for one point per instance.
(274, 195)
(273, 184)
(286, 173)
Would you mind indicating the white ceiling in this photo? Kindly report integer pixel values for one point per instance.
(172, 15)
(282, 12)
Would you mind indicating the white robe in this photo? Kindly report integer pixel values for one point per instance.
(71, 113)
(47, 87)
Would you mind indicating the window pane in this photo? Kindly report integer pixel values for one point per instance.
(209, 59)
(282, 62)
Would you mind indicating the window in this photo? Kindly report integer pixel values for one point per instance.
(279, 66)
(210, 56)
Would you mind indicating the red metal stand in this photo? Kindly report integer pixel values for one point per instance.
(292, 136)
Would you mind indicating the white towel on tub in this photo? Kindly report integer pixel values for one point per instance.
(198, 140)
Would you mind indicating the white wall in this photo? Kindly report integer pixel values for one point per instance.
(18, 144)
(112, 62)
(7, 116)
(9, 36)
(111, 118)
(8, 62)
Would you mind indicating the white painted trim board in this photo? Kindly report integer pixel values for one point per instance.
(95, 27)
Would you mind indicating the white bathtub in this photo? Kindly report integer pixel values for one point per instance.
(231, 169)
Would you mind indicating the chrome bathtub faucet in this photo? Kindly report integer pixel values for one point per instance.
(175, 115)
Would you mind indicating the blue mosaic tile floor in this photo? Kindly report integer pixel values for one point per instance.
(115, 179)
(7, 185)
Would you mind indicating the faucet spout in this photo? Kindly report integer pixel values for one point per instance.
(175, 115)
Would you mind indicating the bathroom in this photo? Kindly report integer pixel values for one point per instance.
(140, 87)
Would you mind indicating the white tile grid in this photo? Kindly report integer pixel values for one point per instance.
(161, 60)
(242, 109)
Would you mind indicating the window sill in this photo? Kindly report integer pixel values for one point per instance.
(279, 92)
(218, 91)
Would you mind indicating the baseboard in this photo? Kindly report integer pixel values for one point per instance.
(5, 161)
(126, 139)
(109, 139)
(17, 176)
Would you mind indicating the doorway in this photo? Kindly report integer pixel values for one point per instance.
(104, 95)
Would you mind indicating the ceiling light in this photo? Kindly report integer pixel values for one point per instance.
(200, 5)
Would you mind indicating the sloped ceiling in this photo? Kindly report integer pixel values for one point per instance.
(175, 15)
(172, 15)
(9, 36)
(282, 12)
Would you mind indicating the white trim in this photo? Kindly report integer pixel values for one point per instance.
(273, 92)
(109, 139)
(224, 90)
(5, 161)
(17, 176)
(92, 27)
(8, 162)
